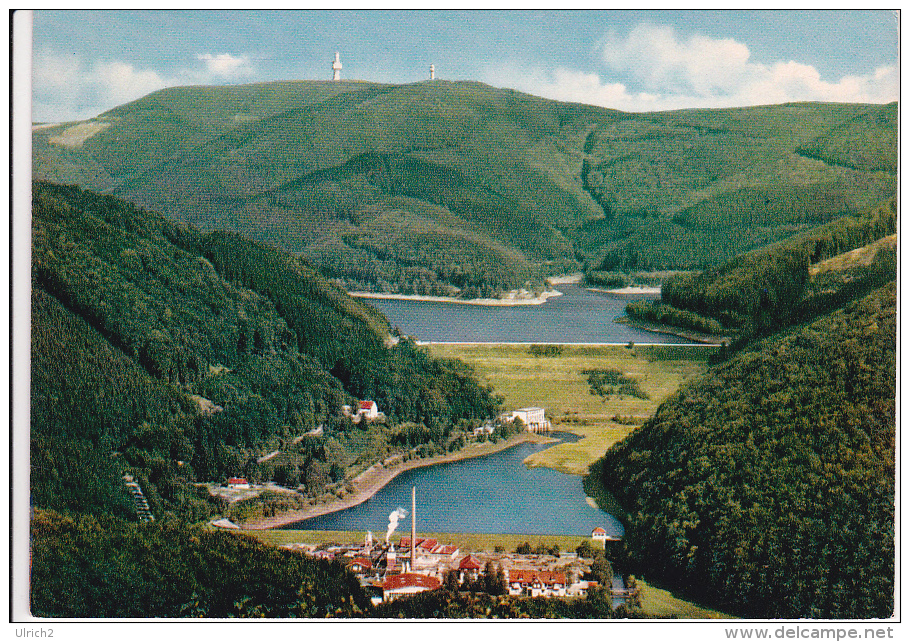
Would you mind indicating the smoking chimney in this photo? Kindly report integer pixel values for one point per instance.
(413, 527)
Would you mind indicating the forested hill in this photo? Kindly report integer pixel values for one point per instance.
(178, 357)
(793, 281)
(766, 486)
(457, 187)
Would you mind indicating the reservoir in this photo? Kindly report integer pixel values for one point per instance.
(578, 316)
(492, 494)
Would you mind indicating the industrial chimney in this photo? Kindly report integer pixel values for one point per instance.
(413, 527)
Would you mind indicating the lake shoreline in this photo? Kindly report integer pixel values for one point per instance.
(515, 299)
(691, 335)
(373, 479)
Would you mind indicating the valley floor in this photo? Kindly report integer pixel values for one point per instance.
(559, 385)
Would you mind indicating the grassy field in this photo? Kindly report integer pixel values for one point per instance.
(558, 384)
(661, 603)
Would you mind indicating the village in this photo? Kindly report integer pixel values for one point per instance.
(388, 571)
(421, 564)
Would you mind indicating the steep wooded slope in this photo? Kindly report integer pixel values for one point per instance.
(442, 187)
(181, 357)
(766, 486)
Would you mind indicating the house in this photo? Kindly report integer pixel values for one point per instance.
(469, 568)
(486, 429)
(446, 550)
(534, 419)
(360, 565)
(407, 584)
(238, 482)
(536, 583)
(429, 547)
(368, 409)
(600, 535)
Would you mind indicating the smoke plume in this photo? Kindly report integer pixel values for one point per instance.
(394, 516)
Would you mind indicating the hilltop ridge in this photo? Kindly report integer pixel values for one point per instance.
(459, 188)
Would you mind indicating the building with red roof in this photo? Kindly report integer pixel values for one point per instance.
(469, 567)
(470, 563)
(368, 409)
(360, 565)
(534, 582)
(407, 584)
(446, 550)
(238, 482)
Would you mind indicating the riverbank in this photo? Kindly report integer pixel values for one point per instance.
(515, 297)
(373, 479)
(691, 335)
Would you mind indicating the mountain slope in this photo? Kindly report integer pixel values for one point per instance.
(766, 486)
(181, 357)
(767, 289)
(441, 187)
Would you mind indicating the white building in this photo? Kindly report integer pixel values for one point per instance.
(600, 535)
(536, 583)
(534, 419)
(368, 409)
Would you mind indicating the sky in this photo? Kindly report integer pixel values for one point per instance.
(85, 62)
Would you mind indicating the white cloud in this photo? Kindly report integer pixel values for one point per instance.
(654, 56)
(652, 69)
(66, 88)
(226, 66)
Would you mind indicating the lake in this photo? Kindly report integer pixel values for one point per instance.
(492, 494)
(578, 316)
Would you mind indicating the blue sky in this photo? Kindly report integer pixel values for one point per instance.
(85, 62)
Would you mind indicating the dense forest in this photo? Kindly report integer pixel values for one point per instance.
(181, 357)
(763, 291)
(459, 188)
(766, 486)
(101, 567)
(178, 357)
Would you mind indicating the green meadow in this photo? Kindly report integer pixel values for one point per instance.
(559, 384)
